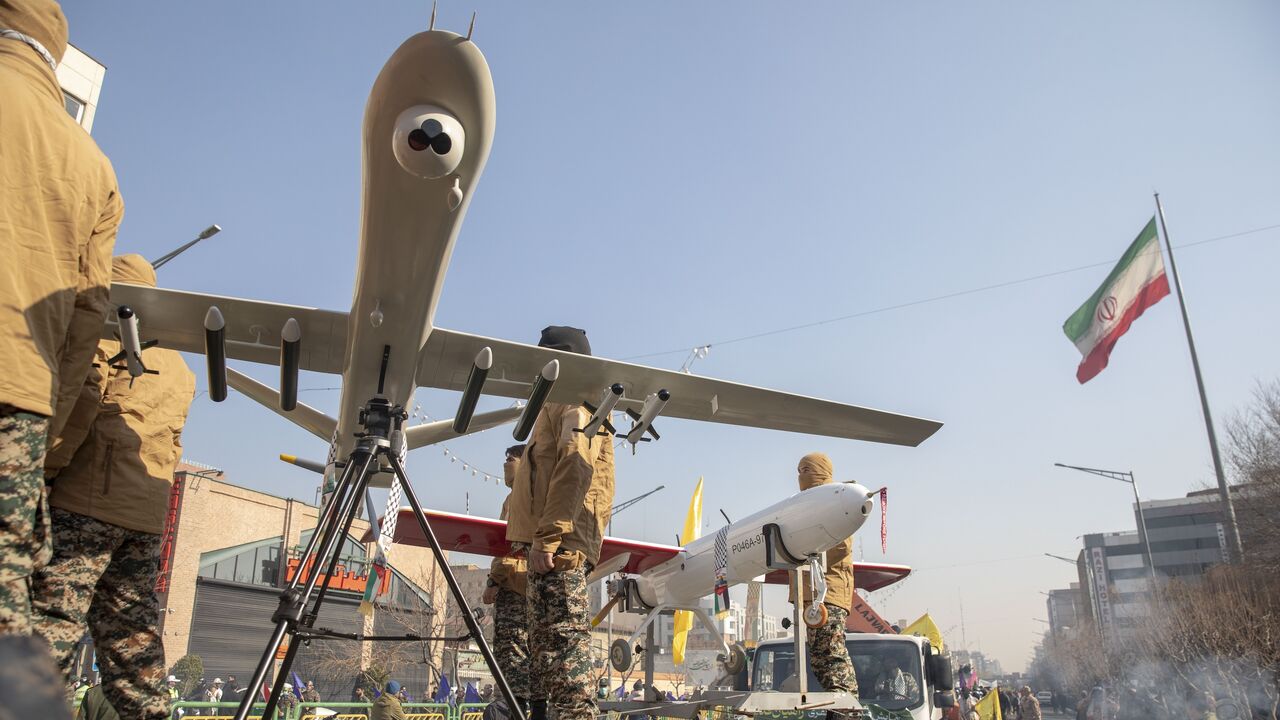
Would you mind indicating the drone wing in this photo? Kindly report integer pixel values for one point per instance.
(446, 360)
(486, 536)
(866, 576)
(176, 319)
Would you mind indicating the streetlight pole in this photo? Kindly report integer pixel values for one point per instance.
(608, 666)
(1126, 477)
(1095, 609)
(204, 235)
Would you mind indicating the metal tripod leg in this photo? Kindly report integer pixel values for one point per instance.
(309, 619)
(292, 600)
(472, 626)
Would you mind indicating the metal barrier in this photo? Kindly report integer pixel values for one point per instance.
(428, 711)
(224, 710)
(335, 711)
(339, 710)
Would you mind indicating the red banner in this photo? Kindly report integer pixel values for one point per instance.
(342, 579)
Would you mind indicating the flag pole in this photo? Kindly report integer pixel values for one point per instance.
(1224, 493)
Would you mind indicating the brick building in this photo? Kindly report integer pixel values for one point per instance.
(227, 552)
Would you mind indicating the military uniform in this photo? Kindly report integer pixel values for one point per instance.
(1028, 706)
(112, 471)
(828, 654)
(560, 503)
(510, 610)
(60, 208)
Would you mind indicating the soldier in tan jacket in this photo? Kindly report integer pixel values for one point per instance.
(559, 507)
(60, 208)
(828, 654)
(112, 471)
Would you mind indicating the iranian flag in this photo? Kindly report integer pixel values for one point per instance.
(1136, 283)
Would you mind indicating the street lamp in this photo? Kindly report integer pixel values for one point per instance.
(1126, 477)
(608, 667)
(1090, 592)
(204, 235)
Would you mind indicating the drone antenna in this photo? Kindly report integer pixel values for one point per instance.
(472, 26)
(432, 26)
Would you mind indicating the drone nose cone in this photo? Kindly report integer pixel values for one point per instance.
(848, 507)
(860, 498)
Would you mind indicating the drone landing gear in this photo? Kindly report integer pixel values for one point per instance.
(295, 620)
(732, 657)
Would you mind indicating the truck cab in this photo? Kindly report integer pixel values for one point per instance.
(898, 675)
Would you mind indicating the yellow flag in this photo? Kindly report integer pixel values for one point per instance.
(925, 628)
(989, 706)
(684, 618)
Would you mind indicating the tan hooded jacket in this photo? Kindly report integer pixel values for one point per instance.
(563, 493)
(60, 208)
(115, 458)
(816, 469)
(510, 572)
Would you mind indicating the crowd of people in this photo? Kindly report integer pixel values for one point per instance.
(1099, 703)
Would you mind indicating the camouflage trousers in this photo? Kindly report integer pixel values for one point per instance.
(560, 642)
(829, 656)
(24, 514)
(104, 576)
(511, 639)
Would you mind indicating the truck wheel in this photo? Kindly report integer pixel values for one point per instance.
(620, 655)
(737, 660)
(815, 616)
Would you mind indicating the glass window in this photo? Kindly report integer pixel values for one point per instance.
(888, 672)
(75, 106)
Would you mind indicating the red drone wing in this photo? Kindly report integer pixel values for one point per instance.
(486, 536)
(866, 576)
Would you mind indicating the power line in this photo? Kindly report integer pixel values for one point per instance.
(933, 299)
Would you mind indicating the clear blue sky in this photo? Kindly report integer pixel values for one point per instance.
(667, 176)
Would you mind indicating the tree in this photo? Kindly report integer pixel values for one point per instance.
(1253, 452)
(341, 658)
(189, 670)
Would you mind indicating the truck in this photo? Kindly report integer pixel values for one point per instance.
(881, 663)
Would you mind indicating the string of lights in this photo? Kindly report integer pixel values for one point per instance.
(701, 350)
(454, 458)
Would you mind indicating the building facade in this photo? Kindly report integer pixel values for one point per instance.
(81, 79)
(1187, 537)
(1066, 609)
(227, 551)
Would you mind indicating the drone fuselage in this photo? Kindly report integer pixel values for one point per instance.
(809, 522)
(414, 200)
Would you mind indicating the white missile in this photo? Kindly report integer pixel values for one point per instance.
(809, 523)
(290, 357)
(651, 409)
(471, 394)
(537, 398)
(215, 352)
(130, 344)
(600, 414)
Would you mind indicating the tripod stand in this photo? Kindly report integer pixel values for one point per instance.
(294, 619)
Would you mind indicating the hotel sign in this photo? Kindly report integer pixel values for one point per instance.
(1099, 563)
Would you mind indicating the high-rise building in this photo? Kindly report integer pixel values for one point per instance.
(1067, 609)
(1187, 537)
(1187, 534)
